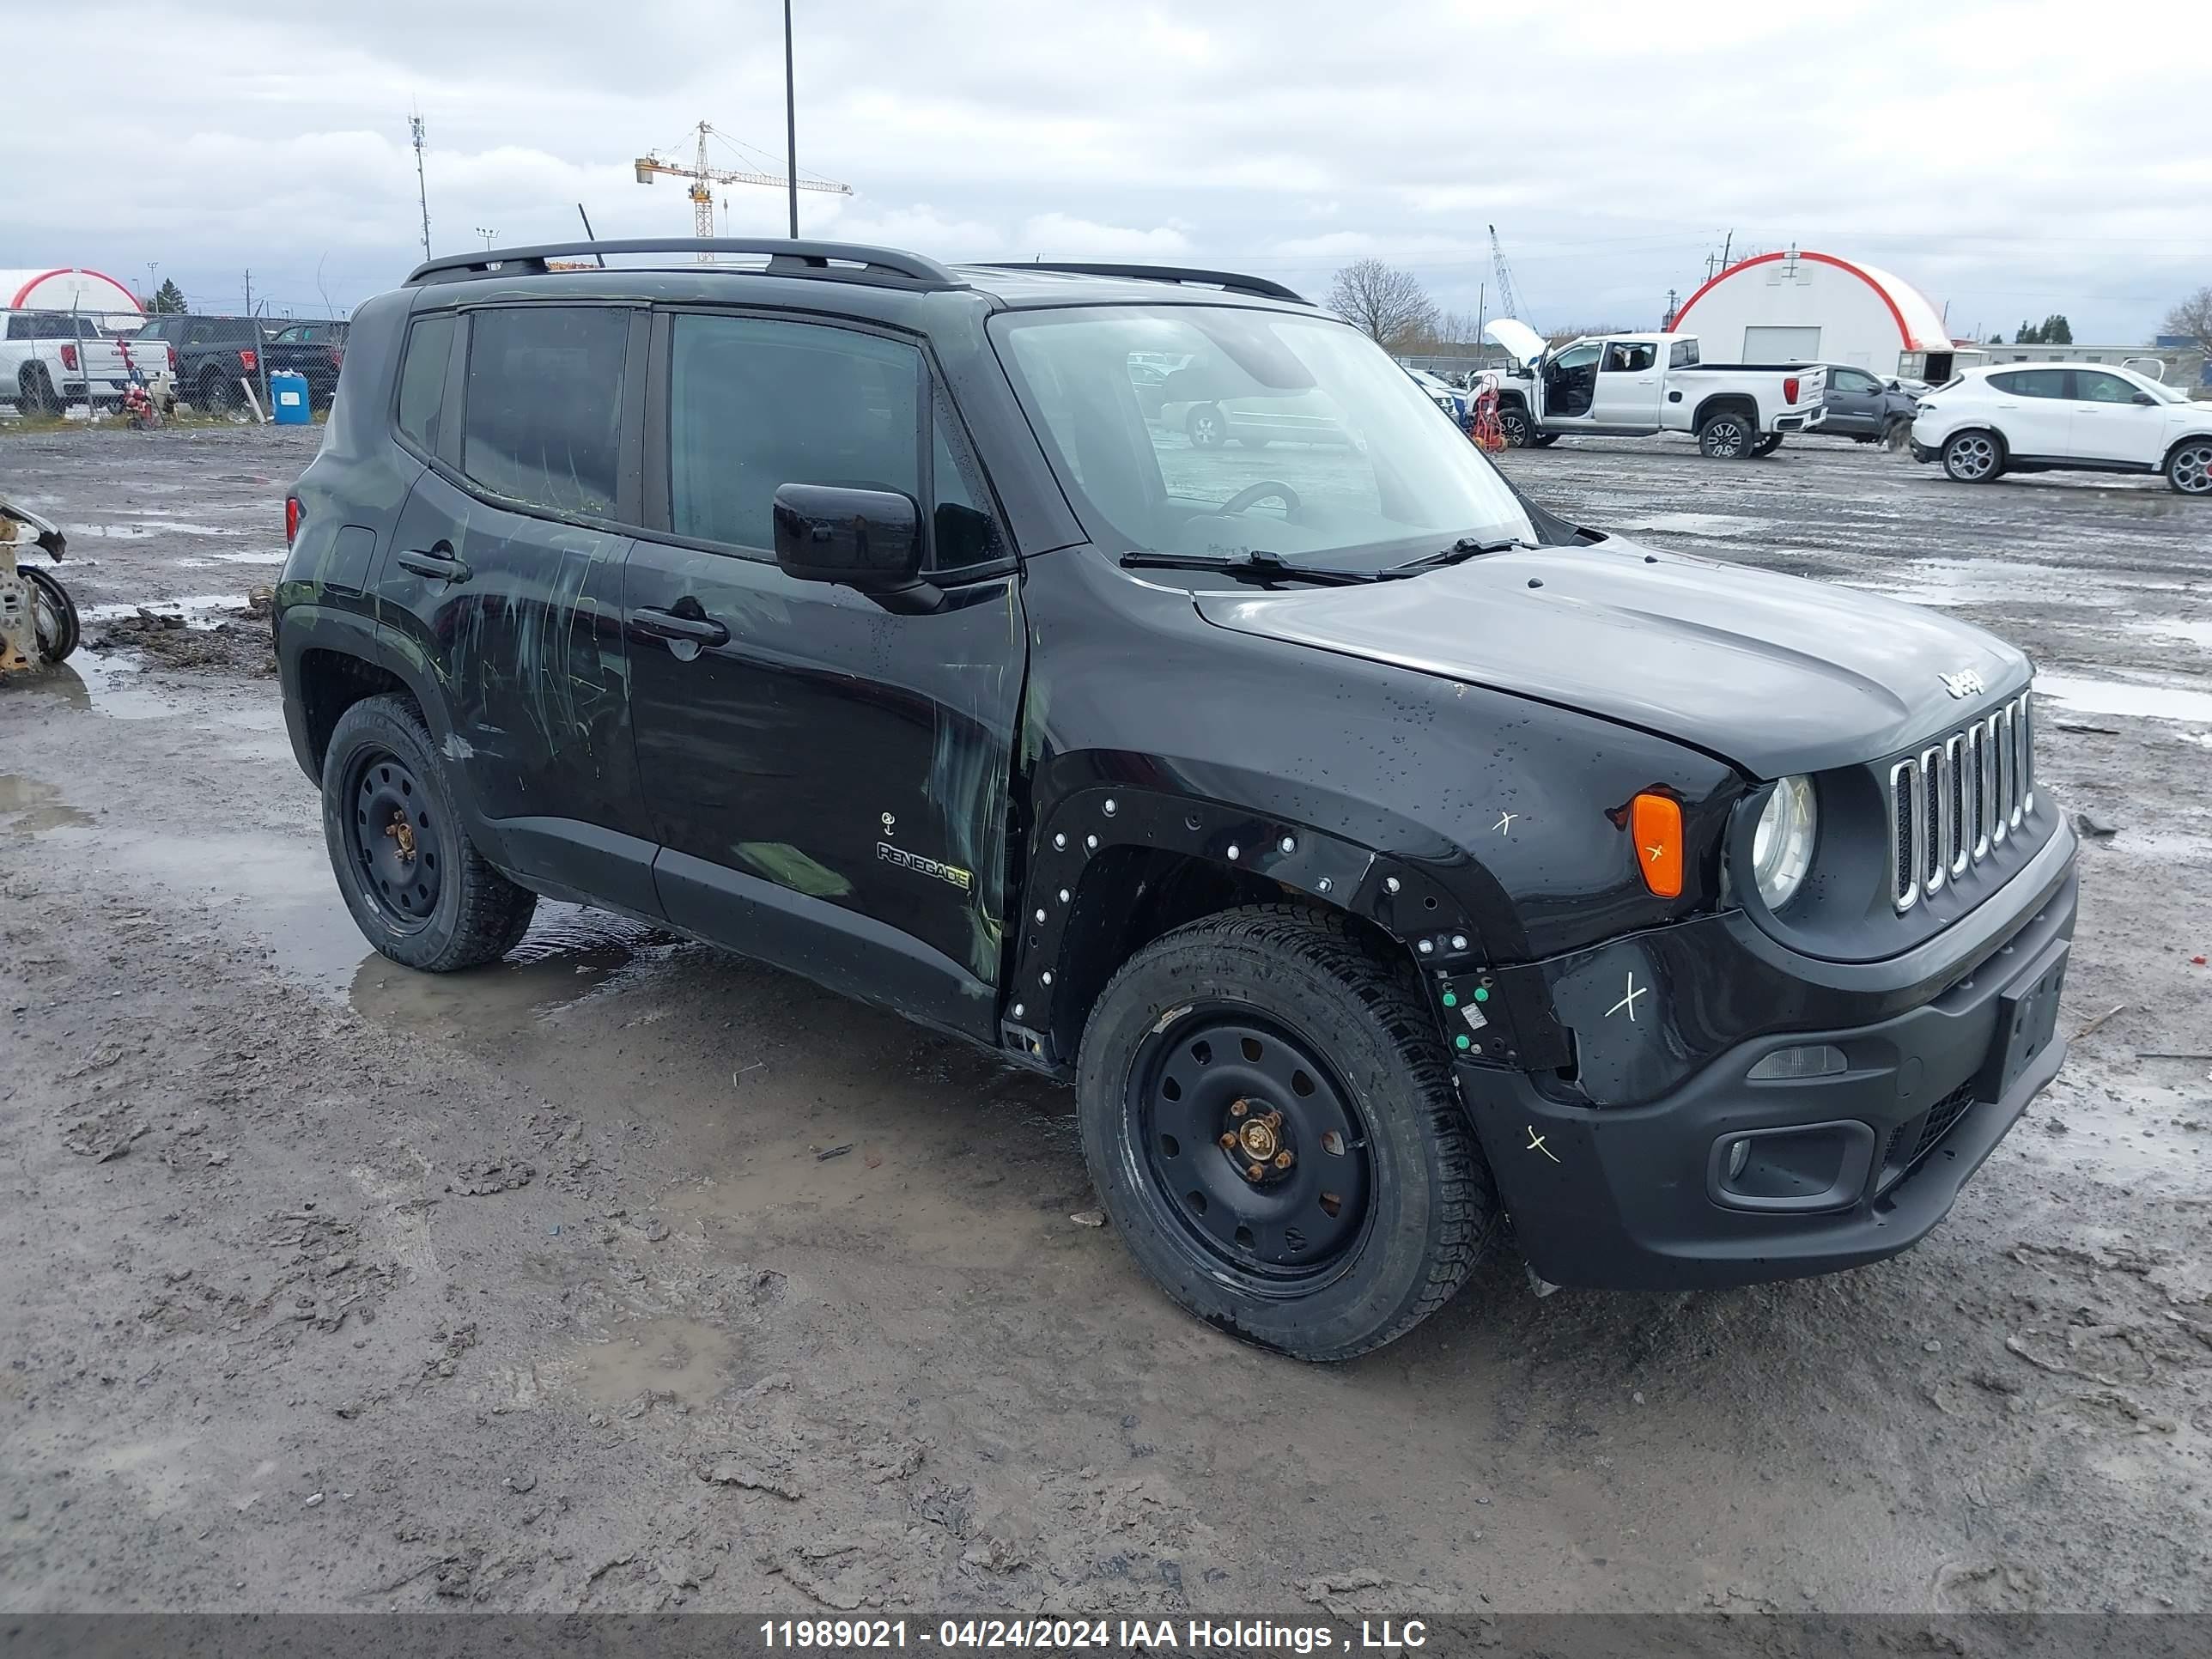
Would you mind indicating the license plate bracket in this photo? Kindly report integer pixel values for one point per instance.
(2027, 1020)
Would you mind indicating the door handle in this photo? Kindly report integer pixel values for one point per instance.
(675, 629)
(439, 564)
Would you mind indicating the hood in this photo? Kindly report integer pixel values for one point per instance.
(1773, 673)
(1516, 337)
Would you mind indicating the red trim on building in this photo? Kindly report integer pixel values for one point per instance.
(77, 270)
(1904, 333)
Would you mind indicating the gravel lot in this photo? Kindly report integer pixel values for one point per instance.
(625, 1276)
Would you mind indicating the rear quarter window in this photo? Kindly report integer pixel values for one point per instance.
(422, 380)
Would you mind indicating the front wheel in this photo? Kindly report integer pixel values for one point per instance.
(1972, 457)
(1267, 1114)
(1766, 446)
(420, 890)
(1206, 427)
(53, 613)
(1518, 430)
(2189, 469)
(1727, 436)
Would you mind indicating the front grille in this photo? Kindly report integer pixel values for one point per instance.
(1954, 803)
(1914, 1139)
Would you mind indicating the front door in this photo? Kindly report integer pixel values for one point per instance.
(2109, 425)
(503, 584)
(1571, 385)
(1628, 385)
(1854, 399)
(828, 777)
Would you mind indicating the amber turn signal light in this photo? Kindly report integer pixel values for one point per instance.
(1656, 822)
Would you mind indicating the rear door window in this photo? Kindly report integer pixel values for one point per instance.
(543, 422)
(422, 380)
(755, 404)
(2032, 382)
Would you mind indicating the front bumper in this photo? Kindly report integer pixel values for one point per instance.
(1633, 1197)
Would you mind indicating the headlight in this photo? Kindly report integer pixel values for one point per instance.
(1781, 846)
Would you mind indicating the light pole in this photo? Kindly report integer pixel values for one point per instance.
(487, 234)
(790, 123)
(150, 289)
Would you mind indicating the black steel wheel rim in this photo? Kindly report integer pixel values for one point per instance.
(395, 839)
(1248, 1145)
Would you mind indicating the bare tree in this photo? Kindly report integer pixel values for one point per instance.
(2192, 316)
(1389, 305)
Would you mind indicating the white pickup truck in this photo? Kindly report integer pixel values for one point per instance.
(48, 357)
(1630, 386)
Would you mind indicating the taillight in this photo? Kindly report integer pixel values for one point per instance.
(293, 513)
(69, 356)
(173, 360)
(1789, 390)
(247, 360)
(337, 356)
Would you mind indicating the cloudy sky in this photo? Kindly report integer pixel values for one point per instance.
(2010, 157)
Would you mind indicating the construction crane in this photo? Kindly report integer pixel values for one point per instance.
(702, 175)
(1509, 302)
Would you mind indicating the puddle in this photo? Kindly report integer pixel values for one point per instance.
(214, 559)
(681, 1357)
(2156, 702)
(1973, 581)
(569, 954)
(197, 608)
(2196, 632)
(140, 529)
(31, 808)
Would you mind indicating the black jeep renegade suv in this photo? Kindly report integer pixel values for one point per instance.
(1377, 854)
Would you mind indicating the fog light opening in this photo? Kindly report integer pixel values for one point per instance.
(1739, 1155)
(1818, 1059)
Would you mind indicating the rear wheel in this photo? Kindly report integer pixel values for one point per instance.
(2189, 469)
(37, 391)
(1972, 458)
(1267, 1114)
(1206, 427)
(1766, 446)
(420, 892)
(1727, 434)
(217, 396)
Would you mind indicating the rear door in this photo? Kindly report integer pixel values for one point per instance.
(829, 777)
(2033, 411)
(1627, 385)
(503, 583)
(2108, 424)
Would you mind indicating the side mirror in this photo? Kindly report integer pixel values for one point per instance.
(1894, 386)
(868, 540)
(2144, 398)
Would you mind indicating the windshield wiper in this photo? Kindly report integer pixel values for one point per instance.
(1467, 547)
(1259, 565)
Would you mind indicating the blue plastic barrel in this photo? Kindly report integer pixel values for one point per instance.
(289, 394)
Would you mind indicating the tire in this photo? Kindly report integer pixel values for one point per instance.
(1520, 432)
(217, 396)
(449, 908)
(2189, 468)
(1896, 433)
(1543, 439)
(1727, 435)
(1385, 1204)
(54, 615)
(1766, 446)
(38, 392)
(1972, 457)
(1206, 427)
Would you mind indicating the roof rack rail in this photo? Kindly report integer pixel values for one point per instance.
(839, 261)
(1221, 279)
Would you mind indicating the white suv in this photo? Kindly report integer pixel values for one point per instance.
(2044, 417)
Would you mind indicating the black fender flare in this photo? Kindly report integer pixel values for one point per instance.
(305, 628)
(1401, 898)
(1742, 402)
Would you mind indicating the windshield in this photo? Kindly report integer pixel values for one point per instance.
(1294, 435)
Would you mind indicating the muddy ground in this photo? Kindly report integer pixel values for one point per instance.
(625, 1275)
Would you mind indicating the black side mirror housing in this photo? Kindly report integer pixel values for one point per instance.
(868, 540)
(2144, 398)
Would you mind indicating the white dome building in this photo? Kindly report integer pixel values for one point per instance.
(1801, 306)
(89, 292)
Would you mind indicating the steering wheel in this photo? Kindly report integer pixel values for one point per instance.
(1252, 494)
